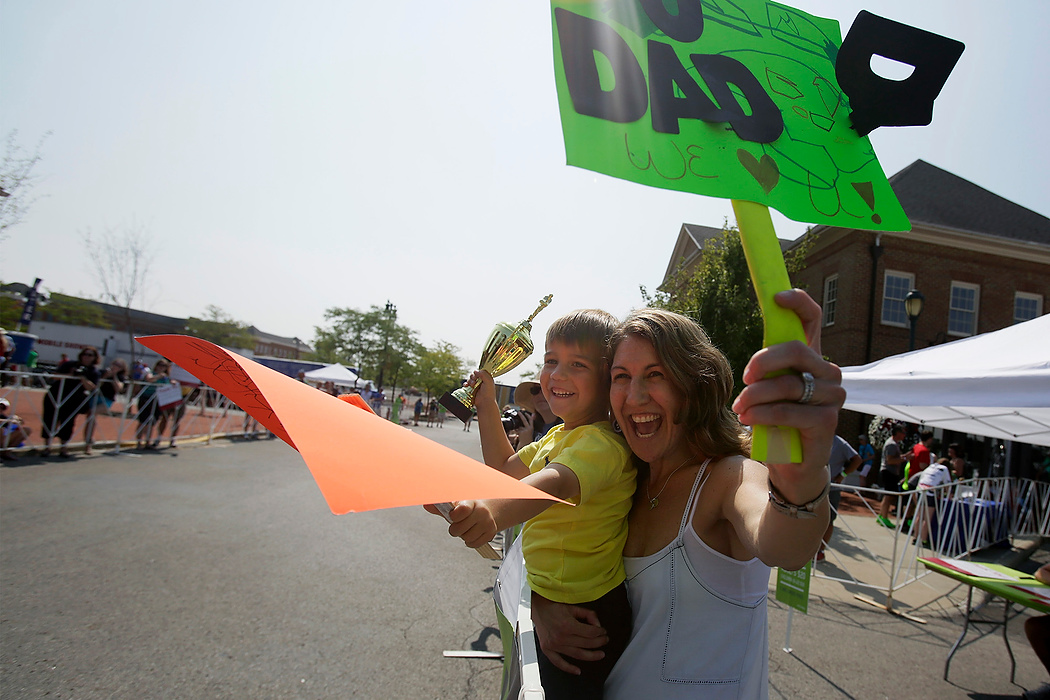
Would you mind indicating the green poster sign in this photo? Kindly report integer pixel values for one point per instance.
(793, 587)
(737, 100)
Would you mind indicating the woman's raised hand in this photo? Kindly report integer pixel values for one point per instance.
(776, 400)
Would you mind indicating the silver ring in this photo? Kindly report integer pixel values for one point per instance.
(808, 384)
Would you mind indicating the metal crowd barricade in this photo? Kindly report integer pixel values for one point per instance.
(954, 520)
(202, 415)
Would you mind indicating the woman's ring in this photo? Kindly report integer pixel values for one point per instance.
(808, 384)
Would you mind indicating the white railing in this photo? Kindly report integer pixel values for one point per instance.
(954, 520)
(202, 415)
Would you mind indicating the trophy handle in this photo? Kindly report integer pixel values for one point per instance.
(544, 302)
(504, 340)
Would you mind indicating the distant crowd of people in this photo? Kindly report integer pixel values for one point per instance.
(397, 411)
(82, 387)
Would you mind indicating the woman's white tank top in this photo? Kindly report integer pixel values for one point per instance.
(700, 622)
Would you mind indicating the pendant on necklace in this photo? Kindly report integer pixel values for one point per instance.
(653, 502)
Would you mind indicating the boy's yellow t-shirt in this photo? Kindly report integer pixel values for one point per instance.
(574, 554)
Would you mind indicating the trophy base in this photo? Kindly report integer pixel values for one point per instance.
(456, 408)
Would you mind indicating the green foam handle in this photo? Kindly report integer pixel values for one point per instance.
(765, 260)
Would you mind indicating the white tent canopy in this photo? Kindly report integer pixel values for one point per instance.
(995, 384)
(337, 374)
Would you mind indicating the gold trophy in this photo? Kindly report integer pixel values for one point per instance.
(506, 348)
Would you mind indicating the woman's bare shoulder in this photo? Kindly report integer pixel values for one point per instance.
(732, 469)
(728, 474)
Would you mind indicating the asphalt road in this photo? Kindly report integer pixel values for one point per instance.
(218, 572)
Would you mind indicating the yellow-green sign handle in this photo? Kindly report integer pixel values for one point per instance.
(765, 260)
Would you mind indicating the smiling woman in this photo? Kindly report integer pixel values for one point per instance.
(682, 400)
(707, 522)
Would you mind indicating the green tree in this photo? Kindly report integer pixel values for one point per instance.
(220, 328)
(370, 340)
(62, 308)
(10, 312)
(438, 369)
(56, 307)
(718, 294)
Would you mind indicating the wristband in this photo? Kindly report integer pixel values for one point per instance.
(806, 510)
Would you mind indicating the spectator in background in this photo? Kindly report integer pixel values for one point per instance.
(918, 458)
(13, 432)
(177, 412)
(31, 366)
(938, 474)
(957, 460)
(466, 424)
(110, 384)
(890, 474)
(417, 411)
(139, 375)
(539, 417)
(867, 460)
(7, 349)
(67, 396)
(843, 460)
(114, 382)
(149, 413)
(432, 413)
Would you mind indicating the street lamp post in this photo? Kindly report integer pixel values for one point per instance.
(391, 311)
(913, 307)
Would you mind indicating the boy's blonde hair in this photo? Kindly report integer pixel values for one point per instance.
(589, 328)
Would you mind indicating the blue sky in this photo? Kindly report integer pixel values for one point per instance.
(290, 157)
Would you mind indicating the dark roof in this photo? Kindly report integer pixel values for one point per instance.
(147, 317)
(933, 196)
(283, 340)
(701, 234)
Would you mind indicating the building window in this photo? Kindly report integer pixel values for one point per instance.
(962, 309)
(895, 287)
(1027, 306)
(831, 297)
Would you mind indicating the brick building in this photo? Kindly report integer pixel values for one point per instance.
(688, 252)
(270, 345)
(981, 261)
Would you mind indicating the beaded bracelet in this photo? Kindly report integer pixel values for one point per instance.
(806, 510)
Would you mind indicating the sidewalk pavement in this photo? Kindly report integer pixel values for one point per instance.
(849, 648)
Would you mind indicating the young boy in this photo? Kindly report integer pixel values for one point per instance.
(573, 554)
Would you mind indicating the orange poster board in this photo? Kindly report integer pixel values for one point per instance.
(359, 461)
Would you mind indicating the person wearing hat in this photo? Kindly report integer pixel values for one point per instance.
(539, 418)
(13, 432)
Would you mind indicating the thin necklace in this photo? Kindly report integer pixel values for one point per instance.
(655, 500)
